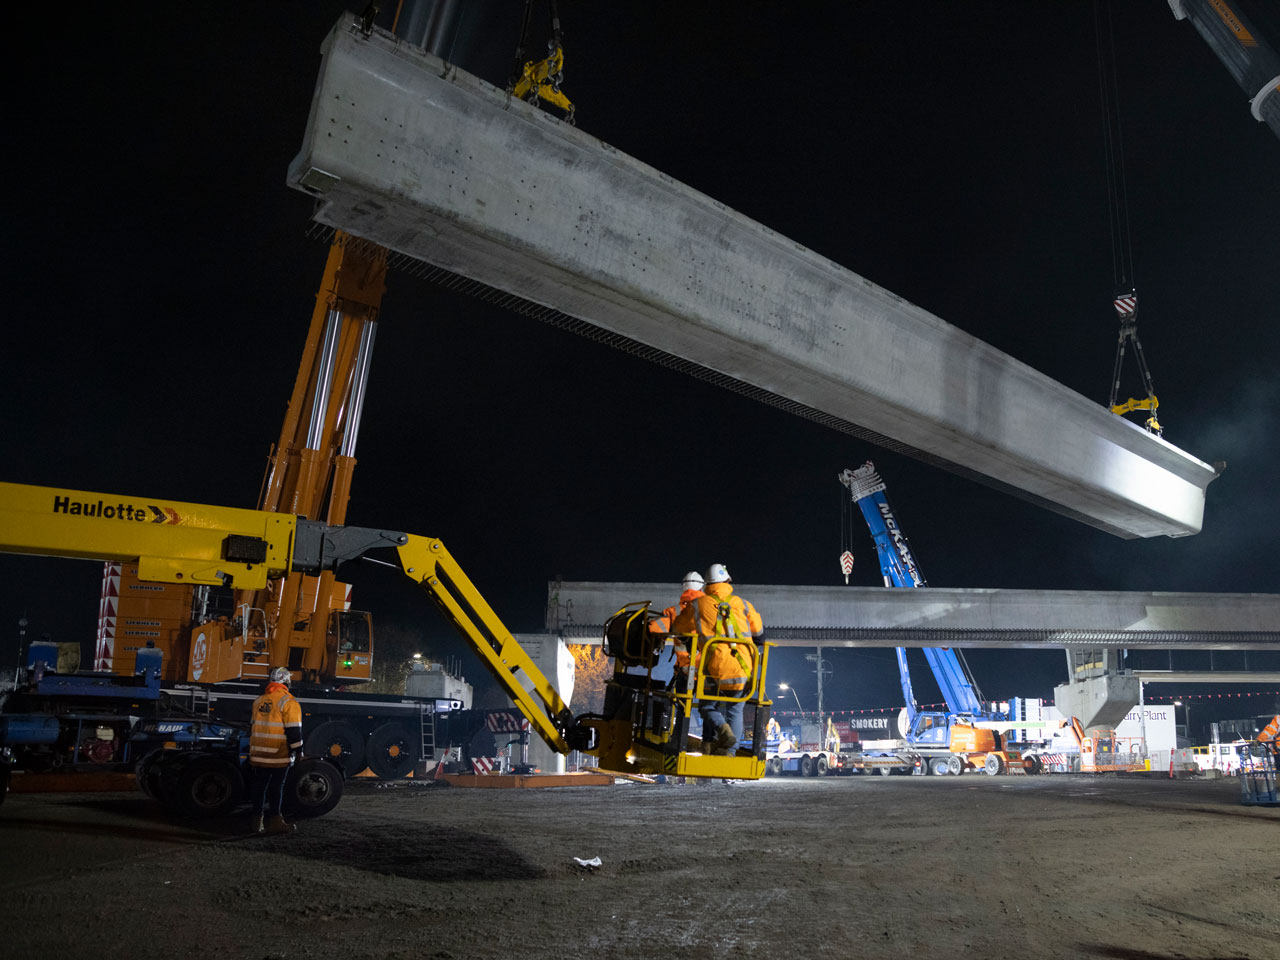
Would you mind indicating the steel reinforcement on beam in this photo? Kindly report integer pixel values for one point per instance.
(409, 152)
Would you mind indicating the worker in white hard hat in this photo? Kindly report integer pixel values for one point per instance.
(274, 744)
(728, 666)
(690, 589)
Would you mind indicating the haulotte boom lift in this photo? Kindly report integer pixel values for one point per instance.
(642, 729)
(936, 742)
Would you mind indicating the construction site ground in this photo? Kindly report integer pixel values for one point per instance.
(920, 867)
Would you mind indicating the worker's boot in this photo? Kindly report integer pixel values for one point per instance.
(277, 824)
(725, 740)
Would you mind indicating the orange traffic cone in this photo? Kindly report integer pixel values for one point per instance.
(1171, 776)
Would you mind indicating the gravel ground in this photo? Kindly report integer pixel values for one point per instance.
(919, 867)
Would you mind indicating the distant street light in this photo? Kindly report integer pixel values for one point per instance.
(783, 686)
(1186, 716)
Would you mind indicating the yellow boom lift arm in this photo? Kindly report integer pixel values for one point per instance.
(645, 723)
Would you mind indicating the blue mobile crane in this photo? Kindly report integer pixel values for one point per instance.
(936, 742)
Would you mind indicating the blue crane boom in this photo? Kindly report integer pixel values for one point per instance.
(899, 568)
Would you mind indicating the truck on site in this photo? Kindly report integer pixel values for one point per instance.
(642, 728)
(966, 735)
(806, 758)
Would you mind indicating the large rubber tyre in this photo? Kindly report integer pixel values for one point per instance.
(940, 766)
(147, 773)
(209, 786)
(168, 773)
(1032, 765)
(392, 751)
(773, 767)
(340, 742)
(994, 765)
(884, 771)
(312, 788)
(806, 766)
(821, 766)
(955, 766)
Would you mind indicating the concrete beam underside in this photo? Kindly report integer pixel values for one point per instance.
(952, 617)
(405, 150)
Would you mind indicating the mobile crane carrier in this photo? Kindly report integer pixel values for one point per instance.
(642, 729)
(951, 742)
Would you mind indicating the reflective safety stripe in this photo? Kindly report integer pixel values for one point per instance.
(277, 723)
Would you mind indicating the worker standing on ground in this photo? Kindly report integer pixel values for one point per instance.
(728, 666)
(275, 742)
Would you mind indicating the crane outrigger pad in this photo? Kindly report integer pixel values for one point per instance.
(408, 151)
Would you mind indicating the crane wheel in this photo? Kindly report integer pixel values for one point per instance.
(994, 765)
(209, 786)
(821, 766)
(312, 789)
(392, 752)
(339, 742)
(806, 766)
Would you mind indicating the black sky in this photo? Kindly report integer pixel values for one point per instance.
(160, 286)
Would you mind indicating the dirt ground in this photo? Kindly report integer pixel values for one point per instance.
(918, 867)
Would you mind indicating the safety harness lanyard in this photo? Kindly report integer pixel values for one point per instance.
(727, 626)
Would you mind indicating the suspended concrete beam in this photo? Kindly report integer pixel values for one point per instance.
(806, 616)
(408, 151)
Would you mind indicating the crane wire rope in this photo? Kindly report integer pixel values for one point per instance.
(1113, 150)
(1125, 290)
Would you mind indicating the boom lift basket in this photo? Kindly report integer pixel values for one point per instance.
(628, 639)
(1258, 776)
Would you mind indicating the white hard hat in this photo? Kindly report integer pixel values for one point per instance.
(693, 581)
(716, 573)
(281, 675)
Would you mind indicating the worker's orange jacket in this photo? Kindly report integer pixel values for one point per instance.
(721, 613)
(663, 623)
(1272, 730)
(277, 727)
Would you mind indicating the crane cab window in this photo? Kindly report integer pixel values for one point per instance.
(351, 631)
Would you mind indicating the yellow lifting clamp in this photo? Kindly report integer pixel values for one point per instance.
(535, 80)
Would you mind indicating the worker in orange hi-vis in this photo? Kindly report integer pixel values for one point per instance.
(690, 589)
(274, 743)
(1270, 735)
(728, 667)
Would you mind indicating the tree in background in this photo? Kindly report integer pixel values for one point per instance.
(591, 670)
(393, 653)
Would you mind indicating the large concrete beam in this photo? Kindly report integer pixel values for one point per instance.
(941, 616)
(414, 154)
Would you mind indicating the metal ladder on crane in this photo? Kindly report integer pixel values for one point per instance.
(427, 726)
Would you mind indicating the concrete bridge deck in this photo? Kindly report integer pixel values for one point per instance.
(806, 616)
(439, 166)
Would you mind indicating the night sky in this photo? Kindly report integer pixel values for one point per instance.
(160, 285)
